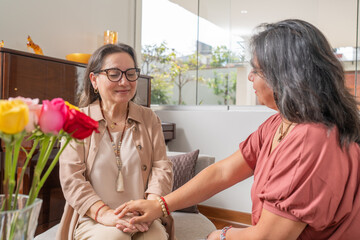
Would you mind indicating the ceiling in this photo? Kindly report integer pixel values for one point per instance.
(335, 18)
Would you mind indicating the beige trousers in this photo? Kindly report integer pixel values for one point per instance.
(90, 230)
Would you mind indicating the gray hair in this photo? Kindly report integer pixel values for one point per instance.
(307, 79)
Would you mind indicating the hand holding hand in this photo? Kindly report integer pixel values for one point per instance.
(108, 218)
(148, 209)
(139, 227)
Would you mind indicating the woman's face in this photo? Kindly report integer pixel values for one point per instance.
(115, 92)
(263, 91)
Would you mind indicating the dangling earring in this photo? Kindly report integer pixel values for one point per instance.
(96, 91)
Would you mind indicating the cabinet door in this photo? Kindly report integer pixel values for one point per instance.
(38, 78)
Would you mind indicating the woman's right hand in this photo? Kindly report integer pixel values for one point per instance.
(139, 227)
(149, 210)
(107, 217)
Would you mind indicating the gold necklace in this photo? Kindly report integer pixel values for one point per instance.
(116, 148)
(112, 124)
(283, 134)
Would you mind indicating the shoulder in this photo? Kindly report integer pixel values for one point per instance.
(269, 126)
(142, 114)
(93, 110)
(317, 133)
(271, 121)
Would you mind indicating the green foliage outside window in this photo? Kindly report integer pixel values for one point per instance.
(223, 84)
(169, 71)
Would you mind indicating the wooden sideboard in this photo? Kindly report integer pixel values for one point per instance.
(35, 76)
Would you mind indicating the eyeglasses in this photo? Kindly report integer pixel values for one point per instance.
(115, 74)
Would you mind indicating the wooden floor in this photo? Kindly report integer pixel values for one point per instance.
(223, 217)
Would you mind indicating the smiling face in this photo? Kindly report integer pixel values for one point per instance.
(262, 90)
(115, 92)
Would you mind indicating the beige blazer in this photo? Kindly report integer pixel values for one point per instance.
(77, 160)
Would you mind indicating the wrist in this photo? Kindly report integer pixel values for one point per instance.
(151, 196)
(223, 232)
(100, 211)
(164, 207)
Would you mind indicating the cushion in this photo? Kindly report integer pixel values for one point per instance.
(184, 170)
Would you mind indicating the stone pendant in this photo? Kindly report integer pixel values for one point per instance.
(120, 183)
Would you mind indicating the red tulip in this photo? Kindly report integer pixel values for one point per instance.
(79, 124)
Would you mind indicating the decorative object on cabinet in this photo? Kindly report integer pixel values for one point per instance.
(2, 43)
(78, 57)
(30, 44)
(110, 37)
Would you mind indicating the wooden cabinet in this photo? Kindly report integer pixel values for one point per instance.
(35, 76)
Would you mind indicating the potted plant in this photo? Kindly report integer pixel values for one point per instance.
(45, 125)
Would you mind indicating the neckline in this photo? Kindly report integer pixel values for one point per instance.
(272, 139)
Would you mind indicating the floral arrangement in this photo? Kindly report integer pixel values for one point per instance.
(45, 125)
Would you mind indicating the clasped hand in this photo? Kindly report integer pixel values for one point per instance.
(149, 211)
(110, 218)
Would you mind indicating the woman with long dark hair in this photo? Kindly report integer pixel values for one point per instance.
(305, 159)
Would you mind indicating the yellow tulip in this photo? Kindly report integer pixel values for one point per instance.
(71, 106)
(14, 115)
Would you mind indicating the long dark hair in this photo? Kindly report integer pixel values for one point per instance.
(95, 63)
(307, 79)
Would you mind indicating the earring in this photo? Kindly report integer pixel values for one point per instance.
(96, 91)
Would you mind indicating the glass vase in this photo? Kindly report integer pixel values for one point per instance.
(19, 224)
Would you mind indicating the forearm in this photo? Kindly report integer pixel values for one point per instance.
(210, 181)
(244, 233)
(196, 190)
(270, 226)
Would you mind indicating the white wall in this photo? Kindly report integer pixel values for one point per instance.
(66, 26)
(216, 131)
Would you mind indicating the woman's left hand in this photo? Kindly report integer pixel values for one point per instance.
(215, 235)
(140, 227)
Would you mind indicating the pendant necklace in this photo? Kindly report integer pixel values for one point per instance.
(120, 179)
(283, 134)
(113, 124)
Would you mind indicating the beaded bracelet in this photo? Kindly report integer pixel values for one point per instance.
(223, 232)
(163, 208)
(97, 211)
(166, 206)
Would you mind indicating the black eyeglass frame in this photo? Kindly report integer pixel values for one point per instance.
(137, 70)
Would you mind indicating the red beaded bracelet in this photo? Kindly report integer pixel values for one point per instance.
(166, 206)
(97, 211)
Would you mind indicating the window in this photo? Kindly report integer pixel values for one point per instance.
(197, 51)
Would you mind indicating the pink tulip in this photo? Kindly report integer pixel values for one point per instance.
(53, 115)
(34, 112)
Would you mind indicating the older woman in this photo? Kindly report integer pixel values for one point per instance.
(305, 159)
(125, 161)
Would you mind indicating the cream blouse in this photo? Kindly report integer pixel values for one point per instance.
(104, 172)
